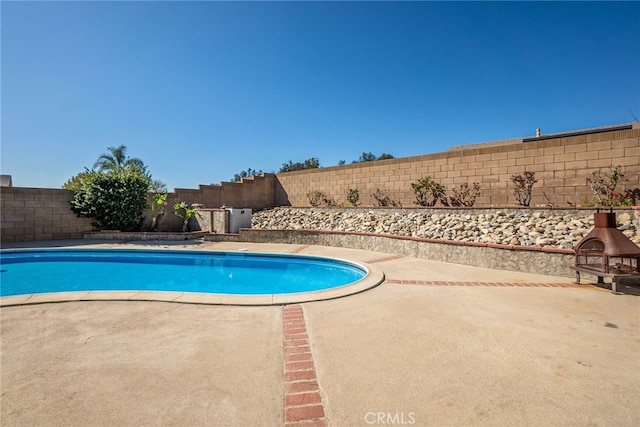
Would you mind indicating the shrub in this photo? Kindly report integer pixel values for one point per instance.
(188, 213)
(318, 198)
(383, 199)
(315, 197)
(157, 216)
(353, 196)
(116, 200)
(465, 196)
(523, 185)
(604, 186)
(428, 192)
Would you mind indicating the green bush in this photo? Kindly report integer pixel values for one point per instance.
(353, 196)
(428, 192)
(189, 212)
(116, 200)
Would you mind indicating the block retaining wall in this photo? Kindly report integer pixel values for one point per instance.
(530, 259)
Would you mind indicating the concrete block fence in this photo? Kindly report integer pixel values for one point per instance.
(562, 163)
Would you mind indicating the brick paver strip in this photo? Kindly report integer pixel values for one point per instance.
(302, 399)
(502, 284)
(299, 249)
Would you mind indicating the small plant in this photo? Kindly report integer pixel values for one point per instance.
(523, 185)
(318, 198)
(604, 186)
(428, 192)
(159, 203)
(330, 202)
(353, 196)
(633, 196)
(383, 199)
(465, 196)
(189, 213)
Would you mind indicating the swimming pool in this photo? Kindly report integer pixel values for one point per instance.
(32, 272)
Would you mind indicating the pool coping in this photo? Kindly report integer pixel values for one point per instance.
(374, 277)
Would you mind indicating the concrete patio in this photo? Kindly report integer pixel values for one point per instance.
(436, 344)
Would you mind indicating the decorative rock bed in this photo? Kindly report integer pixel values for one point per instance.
(552, 228)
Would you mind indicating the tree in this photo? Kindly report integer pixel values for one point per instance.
(370, 157)
(115, 193)
(78, 181)
(117, 160)
(116, 200)
(367, 157)
(311, 163)
(245, 174)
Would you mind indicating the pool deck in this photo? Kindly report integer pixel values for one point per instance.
(436, 344)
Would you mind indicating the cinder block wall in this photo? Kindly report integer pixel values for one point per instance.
(31, 214)
(562, 166)
(255, 192)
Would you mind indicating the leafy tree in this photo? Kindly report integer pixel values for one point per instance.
(246, 174)
(78, 181)
(117, 160)
(367, 157)
(115, 193)
(116, 200)
(370, 157)
(157, 186)
(311, 163)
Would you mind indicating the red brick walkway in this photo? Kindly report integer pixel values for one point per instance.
(302, 400)
(511, 284)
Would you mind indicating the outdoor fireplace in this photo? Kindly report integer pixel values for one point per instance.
(606, 252)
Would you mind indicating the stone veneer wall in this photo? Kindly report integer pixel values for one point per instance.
(561, 164)
(31, 214)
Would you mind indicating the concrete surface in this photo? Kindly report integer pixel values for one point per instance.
(394, 355)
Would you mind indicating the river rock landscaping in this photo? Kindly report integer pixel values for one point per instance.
(552, 228)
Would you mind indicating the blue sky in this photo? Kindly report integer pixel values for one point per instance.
(203, 90)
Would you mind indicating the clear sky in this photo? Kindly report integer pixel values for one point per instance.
(203, 90)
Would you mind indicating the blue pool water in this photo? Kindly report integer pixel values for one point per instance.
(55, 270)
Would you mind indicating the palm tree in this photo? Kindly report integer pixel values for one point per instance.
(116, 160)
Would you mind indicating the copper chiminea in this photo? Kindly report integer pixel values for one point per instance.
(606, 252)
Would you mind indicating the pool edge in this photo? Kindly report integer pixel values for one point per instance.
(374, 277)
